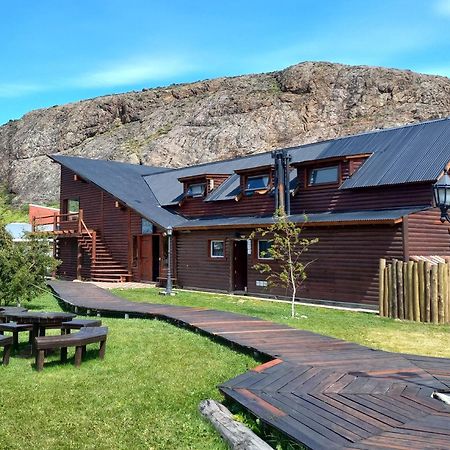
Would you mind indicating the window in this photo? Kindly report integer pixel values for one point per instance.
(217, 249)
(146, 227)
(196, 190)
(264, 249)
(257, 182)
(324, 175)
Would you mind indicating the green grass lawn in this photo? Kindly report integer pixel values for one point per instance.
(144, 394)
(363, 328)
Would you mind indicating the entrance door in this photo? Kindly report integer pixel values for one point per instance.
(146, 258)
(240, 265)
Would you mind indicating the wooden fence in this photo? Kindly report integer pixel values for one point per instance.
(415, 290)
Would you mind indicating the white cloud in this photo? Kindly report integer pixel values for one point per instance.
(134, 71)
(442, 8)
(11, 90)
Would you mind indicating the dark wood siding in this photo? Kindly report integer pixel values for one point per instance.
(345, 267)
(194, 266)
(328, 198)
(67, 254)
(116, 225)
(427, 235)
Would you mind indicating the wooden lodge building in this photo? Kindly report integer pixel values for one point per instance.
(366, 196)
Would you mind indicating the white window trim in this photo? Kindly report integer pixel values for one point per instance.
(196, 195)
(267, 258)
(260, 188)
(310, 183)
(211, 248)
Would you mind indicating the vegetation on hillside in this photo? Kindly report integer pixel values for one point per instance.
(8, 212)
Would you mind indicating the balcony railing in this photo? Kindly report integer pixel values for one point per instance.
(60, 222)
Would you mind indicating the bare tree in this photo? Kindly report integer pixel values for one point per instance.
(287, 250)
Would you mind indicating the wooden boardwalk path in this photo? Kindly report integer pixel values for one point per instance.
(323, 392)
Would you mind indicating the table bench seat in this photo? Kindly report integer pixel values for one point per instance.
(16, 328)
(79, 340)
(77, 324)
(6, 342)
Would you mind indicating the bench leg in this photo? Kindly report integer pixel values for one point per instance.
(63, 354)
(40, 355)
(16, 339)
(6, 354)
(102, 350)
(30, 337)
(83, 352)
(78, 355)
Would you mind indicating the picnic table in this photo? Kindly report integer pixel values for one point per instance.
(5, 310)
(39, 320)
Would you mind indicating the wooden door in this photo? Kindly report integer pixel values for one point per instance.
(146, 258)
(240, 265)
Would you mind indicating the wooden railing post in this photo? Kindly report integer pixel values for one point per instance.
(80, 220)
(33, 224)
(94, 246)
(55, 222)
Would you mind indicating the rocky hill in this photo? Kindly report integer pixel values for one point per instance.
(215, 119)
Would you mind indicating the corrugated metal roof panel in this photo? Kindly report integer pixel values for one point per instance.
(362, 216)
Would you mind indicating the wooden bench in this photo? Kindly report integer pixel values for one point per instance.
(79, 340)
(78, 324)
(6, 342)
(15, 328)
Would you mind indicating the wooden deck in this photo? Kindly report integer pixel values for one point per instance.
(323, 392)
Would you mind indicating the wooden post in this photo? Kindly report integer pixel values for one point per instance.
(386, 291)
(406, 289)
(382, 267)
(441, 269)
(421, 272)
(400, 296)
(416, 304)
(445, 292)
(94, 247)
(394, 305)
(427, 275)
(410, 291)
(434, 293)
(79, 260)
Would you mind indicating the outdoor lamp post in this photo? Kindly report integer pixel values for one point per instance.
(169, 234)
(441, 191)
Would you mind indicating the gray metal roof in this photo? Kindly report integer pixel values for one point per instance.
(407, 154)
(369, 216)
(124, 182)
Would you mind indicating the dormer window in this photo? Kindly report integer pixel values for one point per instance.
(196, 190)
(257, 183)
(324, 175)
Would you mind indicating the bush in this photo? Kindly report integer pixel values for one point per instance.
(23, 267)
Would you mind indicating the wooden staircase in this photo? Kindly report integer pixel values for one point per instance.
(103, 265)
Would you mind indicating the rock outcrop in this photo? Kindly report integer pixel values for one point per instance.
(215, 119)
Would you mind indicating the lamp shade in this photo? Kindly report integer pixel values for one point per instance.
(441, 191)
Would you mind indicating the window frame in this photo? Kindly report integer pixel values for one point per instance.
(327, 183)
(188, 187)
(258, 252)
(267, 186)
(210, 249)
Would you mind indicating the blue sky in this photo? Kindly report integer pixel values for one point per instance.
(58, 51)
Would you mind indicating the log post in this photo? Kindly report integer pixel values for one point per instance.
(410, 291)
(381, 283)
(394, 298)
(421, 272)
(427, 274)
(386, 291)
(441, 283)
(416, 304)
(406, 293)
(434, 293)
(447, 293)
(389, 293)
(400, 296)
